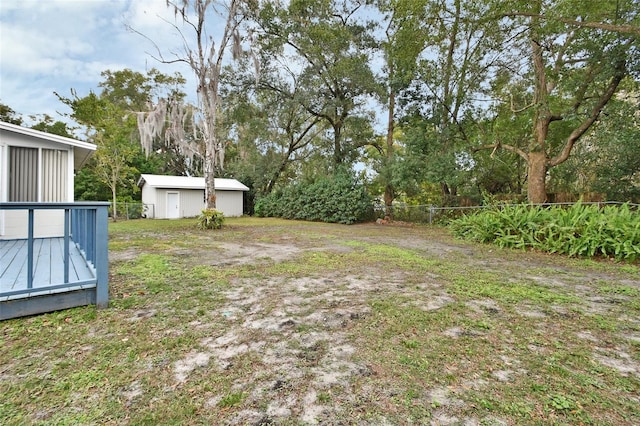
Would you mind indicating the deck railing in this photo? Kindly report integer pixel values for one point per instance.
(85, 225)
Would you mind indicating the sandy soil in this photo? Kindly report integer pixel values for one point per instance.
(297, 331)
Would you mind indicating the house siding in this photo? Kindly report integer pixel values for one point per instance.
(229, 202)
(46, 224)
(191, 202)
(149, 198)
(191, 195)
(49, 168)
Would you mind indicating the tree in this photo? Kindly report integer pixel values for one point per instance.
(8, 115)
(574, 71)
(405, 39)
(448, 95)
(111, 128)
(114, 155)
(607, 163)
(205, 57)
(48, 125)
(265, 118)
(109, 120)
(329, 43)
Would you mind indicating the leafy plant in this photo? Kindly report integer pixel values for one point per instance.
(210, 219)
(580, 230)
(561, 402)
(334, 199)
(231, 399)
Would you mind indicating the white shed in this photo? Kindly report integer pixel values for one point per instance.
(173, 197)
(37, 167)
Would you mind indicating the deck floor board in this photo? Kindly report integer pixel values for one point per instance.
(48, 264)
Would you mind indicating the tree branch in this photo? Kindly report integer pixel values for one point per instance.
(519, 110)
(625, 29)
(593, 116)
(498, 145)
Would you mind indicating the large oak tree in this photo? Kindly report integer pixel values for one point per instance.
(573, 70)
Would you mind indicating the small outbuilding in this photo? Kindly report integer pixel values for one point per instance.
(173, 197)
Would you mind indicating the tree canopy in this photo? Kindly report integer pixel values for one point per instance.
(426, 101)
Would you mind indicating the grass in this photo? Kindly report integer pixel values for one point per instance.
(283, 322)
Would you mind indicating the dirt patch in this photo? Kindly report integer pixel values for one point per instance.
(385, 325)
(619, 360)
(230, 254)
(123, 255)
(298, 330)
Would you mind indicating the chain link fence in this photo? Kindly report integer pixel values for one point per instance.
(426, 213)
(128, 211)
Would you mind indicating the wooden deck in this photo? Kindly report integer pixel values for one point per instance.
(39, 275)
(48, 268)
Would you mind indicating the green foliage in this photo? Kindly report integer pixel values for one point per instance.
(231, 399)
(8, 115)
(109, 122)
(580, 230)
(608, 163)
(561, 402)
(210, 219)
(332, 46)
(48, 125)
(334, 199)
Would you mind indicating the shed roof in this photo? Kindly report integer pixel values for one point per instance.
(186, 182)
(81, 152)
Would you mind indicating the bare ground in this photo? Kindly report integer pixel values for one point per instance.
(299, 330)
(309, 345)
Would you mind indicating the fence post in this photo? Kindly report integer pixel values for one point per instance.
(30, 250)
(67, 222)
(102, 257)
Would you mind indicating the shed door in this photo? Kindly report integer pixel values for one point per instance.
(173, 205)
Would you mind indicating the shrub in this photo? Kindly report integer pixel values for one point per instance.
(335, 199)
(210, 219)
(575, 231)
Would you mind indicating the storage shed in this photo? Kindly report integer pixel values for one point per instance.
(173, 197)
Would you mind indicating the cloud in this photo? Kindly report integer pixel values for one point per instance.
(56, 45)
(49, 46)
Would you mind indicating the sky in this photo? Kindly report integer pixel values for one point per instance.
(49, 46)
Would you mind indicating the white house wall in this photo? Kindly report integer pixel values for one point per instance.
(4, 185)
(48, 223)
(191, 201)
(149, 198)
(230, 203)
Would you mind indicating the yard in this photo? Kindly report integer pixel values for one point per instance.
(292, 323)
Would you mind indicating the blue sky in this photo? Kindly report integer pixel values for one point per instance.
(49, 46)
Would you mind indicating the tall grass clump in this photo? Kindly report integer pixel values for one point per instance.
(579, 230)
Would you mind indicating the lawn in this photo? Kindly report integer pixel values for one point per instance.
(293, 323)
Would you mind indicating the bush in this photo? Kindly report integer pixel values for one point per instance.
(210, 219)
(612, 231)
(334, 199)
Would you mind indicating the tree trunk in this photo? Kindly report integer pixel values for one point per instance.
(537, 158)
(115, 209)
(389, 193)
(537, 175)
(210, 178)
(277, 173)
(338, 155)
